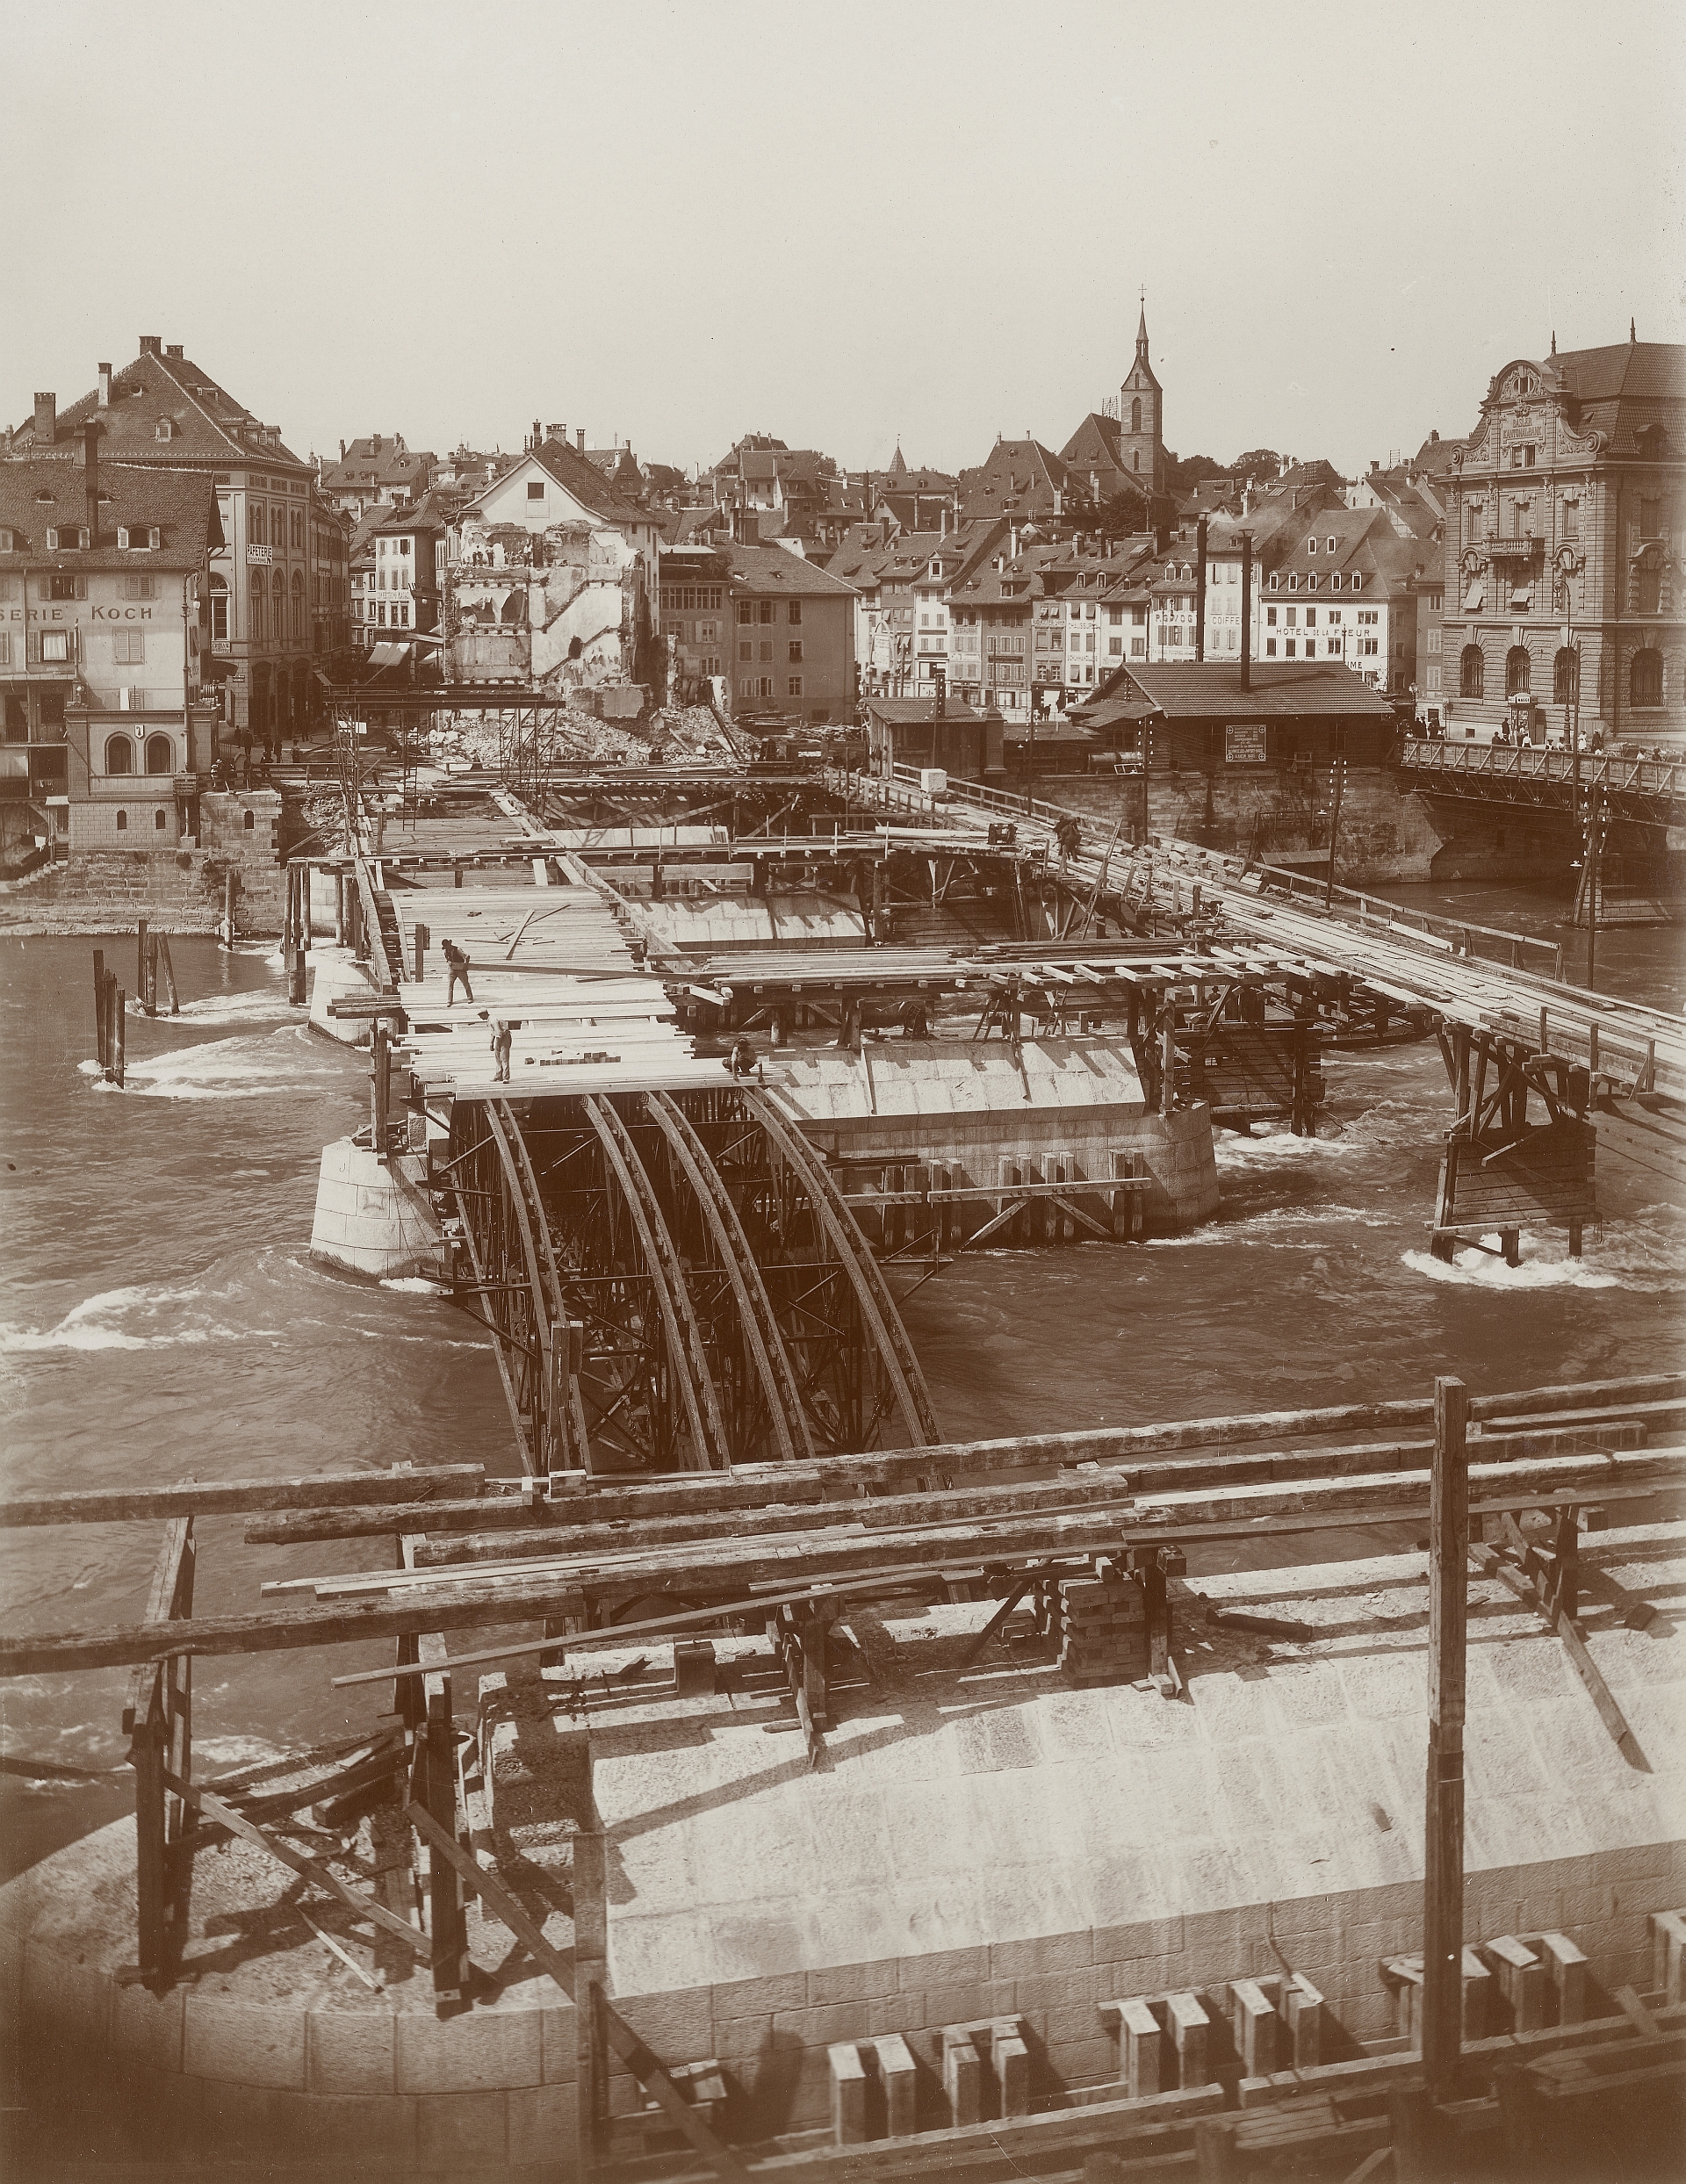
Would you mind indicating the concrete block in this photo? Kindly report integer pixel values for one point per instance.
(1254, 2024)
(1060, 1990)
(244, 2044)
(1048, 1952)
(762, 1997)
(852, 1983)
(541, 2127)
(679, 2026)
(963, 2005)
(485, 2049)
(820, 2028)
(848, 2093)
(943, 1967)
(962, 2078)
(1010, 2061)
(1140, 2047)
(1143, 1937)
(735, 2039)
(350, 2051)
(898, 2080)
(147, 2028)
(557, 2043)
(1188, 2025)
(458, 2131)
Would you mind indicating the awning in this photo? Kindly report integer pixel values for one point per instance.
(384, 655)
(214, 670)
(1474, 597)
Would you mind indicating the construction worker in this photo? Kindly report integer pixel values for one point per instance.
(456, 969)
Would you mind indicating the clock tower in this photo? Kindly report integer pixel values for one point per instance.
(1140, 419)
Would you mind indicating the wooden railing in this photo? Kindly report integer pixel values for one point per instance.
(1526, 762)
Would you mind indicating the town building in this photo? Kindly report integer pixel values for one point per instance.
(403, 558)
(327, 581)
(552, 482)
(1344, 585)
(1019, 479)
(166, 413)
(1141, 442)
(109, 728)
(776, 627)
(902, 581)
(1566, 512)
(379, 467)
(1205, 717)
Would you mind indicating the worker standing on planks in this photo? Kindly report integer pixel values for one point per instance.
(456, 969)
(502, 1040)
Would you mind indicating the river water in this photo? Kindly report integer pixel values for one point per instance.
(161, 1320)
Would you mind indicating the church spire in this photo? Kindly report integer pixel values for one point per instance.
(1142, 330)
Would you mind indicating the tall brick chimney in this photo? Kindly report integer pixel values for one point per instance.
(151, 345)
(1200, 590)
(1246, 609)
(104, 386)
(580, 442)
(90, 479)
(46, 419)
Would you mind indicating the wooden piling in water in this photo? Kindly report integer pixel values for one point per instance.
(229, 887)
(119, 1010)
(170, 974)
(1443, 1872)
(339, 910)
(140, 994)
(99, 1007)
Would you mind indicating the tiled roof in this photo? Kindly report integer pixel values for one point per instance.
(776, 569)
(1208, 690)
(207, 425)
(36, 496)
(581, 478)
(908, 712)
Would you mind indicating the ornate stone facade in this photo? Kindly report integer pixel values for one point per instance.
(1566, 526)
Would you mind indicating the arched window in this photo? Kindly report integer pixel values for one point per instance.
(257, 606)
(257, 524)
(219, 611)
(160, 754)
(1135, 461)
(1136, 414)
(158, 822)
(120, 755)
(1516, 666)
(297, 606)
(1645, 677)
(250, 822)
(1471, 672)
(1565, 675)
(164, 430)
(122, 822)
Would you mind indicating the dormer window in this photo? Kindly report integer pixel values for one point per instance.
(138, 538)
(8, 542)
(1276, 581)
(164, 430)
(64, 540)
(1335, 581)
(1357, 581)
(1294, 581)
(1329, 545)
(1311, 545)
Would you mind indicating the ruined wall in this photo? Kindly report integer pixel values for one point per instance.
(561, 610)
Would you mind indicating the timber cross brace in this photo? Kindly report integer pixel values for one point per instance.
(1499, 1169)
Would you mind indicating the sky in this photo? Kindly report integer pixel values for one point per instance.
(845, 226)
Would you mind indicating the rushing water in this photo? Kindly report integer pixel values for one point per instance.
(161, 1319)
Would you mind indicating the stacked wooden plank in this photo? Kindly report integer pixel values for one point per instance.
(1102, 1626)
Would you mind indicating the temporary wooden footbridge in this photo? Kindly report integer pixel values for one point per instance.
(783, 1547)
(1530, 1060)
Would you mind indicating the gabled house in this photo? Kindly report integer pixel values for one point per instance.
(379, 467)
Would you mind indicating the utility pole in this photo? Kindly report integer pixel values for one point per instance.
(1443, 1863)
(1595, 844)
(1338, 783)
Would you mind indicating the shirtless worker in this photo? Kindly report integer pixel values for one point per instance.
(456, 969)
(502, 1039)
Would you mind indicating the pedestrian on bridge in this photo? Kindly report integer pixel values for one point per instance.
(455, 969)
(502, 1040)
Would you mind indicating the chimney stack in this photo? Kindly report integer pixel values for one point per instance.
(342, 451)
(150, 345)
(173, 349)
(1013, 543)
(537, 439)
(1200, 591)
(1246, 609)
(581, 440)
(104, 386)
(46, 419)
(90, 479)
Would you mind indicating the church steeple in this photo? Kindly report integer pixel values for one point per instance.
(1141, 402)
